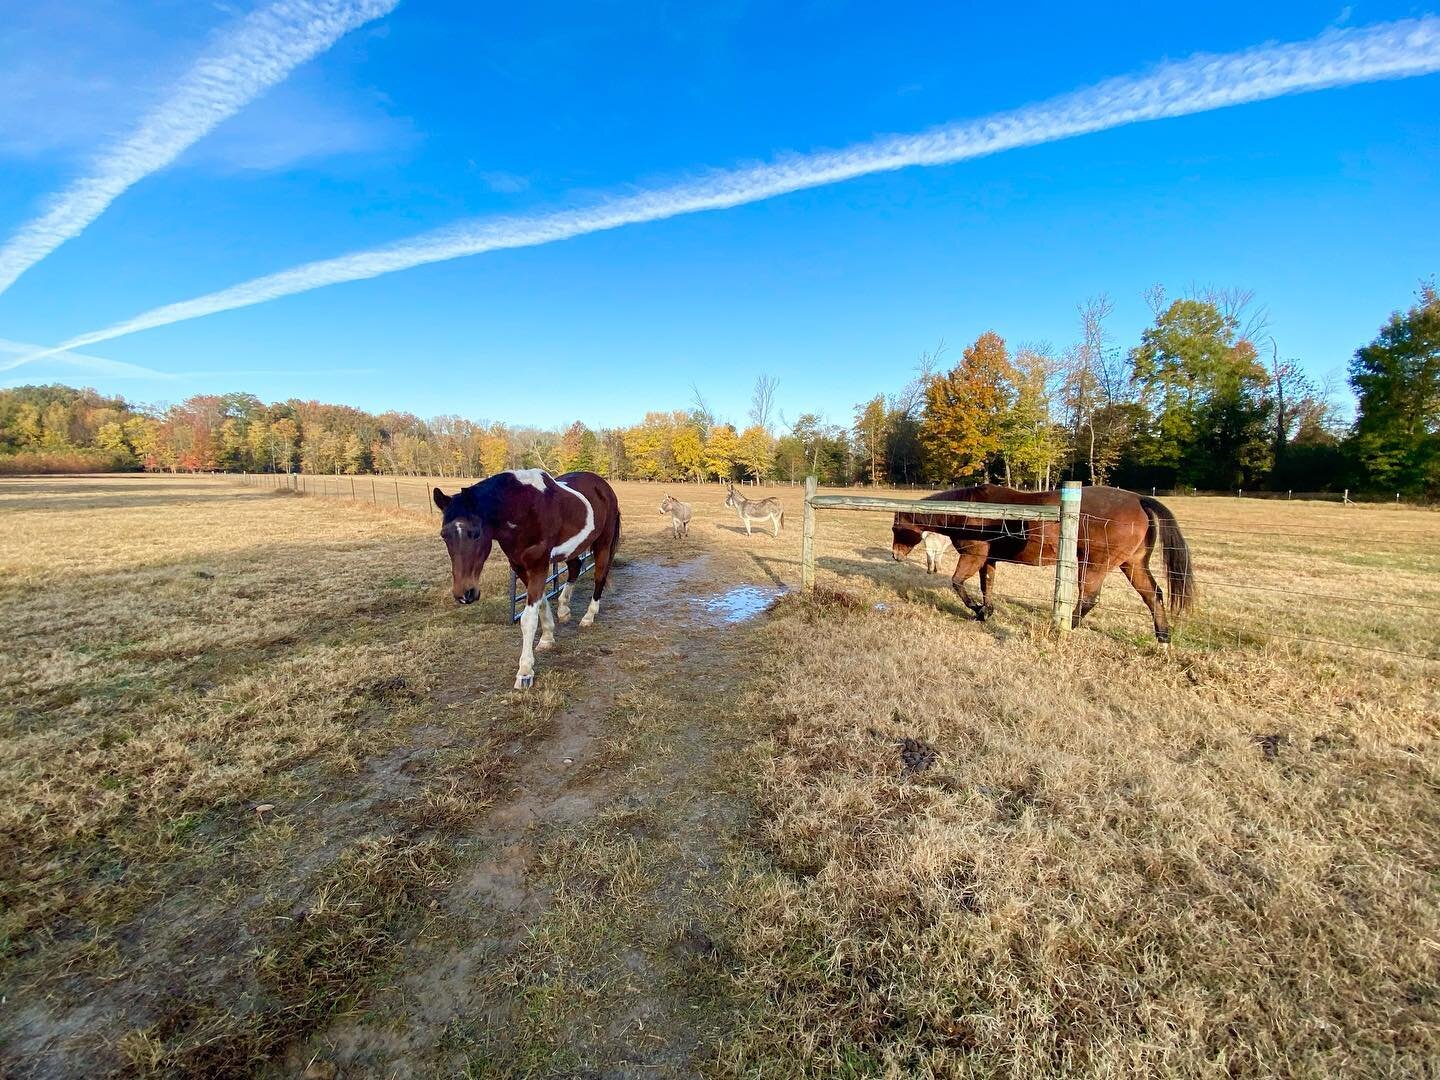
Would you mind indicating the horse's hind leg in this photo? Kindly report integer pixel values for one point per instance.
(1144, 582)
(1091, 579)
(572, 575)
(602, 575)
(987, 582)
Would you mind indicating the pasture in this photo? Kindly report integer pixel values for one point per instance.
(272, 808)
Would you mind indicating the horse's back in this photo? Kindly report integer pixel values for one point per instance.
(598, 492)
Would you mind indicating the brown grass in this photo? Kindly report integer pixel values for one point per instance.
(1217, 862)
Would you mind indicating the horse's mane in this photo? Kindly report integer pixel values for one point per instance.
(486, 500)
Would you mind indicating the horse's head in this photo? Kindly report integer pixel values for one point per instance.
(666, 506)
(468, 541)
(730, 497)
(905, 535)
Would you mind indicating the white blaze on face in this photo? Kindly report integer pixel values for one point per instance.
(535, 478)
(569, 547)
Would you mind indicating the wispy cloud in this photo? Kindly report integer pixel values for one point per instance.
(1338, 58)
(245, 60)
(79, 361)
(120, 369)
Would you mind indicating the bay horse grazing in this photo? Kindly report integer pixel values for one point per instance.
(535, 518)
(1118, 529)
(680, 514)
(756, 510)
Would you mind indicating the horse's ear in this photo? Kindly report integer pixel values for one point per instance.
(441, 499)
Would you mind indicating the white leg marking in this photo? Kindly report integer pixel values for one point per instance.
(562, 610)
(590, 613)
(525, 675)
(747, 526)
(547, 627)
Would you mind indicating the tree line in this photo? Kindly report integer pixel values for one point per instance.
(1204, 399)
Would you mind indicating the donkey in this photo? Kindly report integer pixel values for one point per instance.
(756, 510)
(935, 546)
(1118, 530)
(679, 516)
(536, 518)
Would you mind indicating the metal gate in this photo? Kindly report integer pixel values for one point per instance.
(557, 571)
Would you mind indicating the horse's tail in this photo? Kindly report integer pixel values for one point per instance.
(1179, 573)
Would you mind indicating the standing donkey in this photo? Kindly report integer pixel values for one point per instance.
(679, 516)
(756, 510)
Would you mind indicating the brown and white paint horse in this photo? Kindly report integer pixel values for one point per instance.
(535, 518)
(1118, 530)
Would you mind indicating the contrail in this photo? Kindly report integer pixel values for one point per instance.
(251, 56)
(120, 369)
(96, 364)
(1393, 50)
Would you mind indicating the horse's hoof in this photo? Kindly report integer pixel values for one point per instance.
(524, 682)
(542, 645)
(588, 620)
(562, 616)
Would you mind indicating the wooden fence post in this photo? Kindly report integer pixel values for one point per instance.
(1067, 561)
(807, 539)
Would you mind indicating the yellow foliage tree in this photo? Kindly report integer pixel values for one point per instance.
(755, 452)
(689, 452)
(966, 410)
(720, 451)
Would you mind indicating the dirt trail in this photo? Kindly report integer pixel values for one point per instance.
(574, 940)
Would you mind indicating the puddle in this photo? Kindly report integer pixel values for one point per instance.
(740, 603)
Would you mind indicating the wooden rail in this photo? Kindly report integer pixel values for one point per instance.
(926, 512)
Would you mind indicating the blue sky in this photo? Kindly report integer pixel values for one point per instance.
(1323, 203)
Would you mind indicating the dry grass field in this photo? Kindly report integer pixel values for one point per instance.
(271, 807)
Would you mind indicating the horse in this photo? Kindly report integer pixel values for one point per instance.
(1118, 529)
(935, 545)
(679, 516)
(536, 518)
(756, 510)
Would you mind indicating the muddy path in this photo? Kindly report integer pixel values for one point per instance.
(573, 939)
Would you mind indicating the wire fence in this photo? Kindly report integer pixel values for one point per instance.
(1250, 590)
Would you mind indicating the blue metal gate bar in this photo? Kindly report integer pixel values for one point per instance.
(557, 571)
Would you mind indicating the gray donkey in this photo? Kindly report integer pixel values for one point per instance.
(756, 510)
(679, 516)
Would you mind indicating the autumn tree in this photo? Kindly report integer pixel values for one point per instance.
(755, 452)
(872, 429)
(965, 411)
(1032, 443)
(689, 452)
(721, 451)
